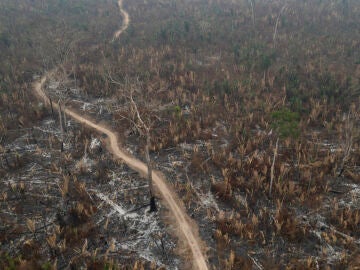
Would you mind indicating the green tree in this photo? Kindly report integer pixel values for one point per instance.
(286, 123)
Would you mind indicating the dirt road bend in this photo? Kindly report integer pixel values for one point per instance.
(185, 231)
(126, 20)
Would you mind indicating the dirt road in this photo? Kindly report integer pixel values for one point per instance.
(185, 230)
(126, 20)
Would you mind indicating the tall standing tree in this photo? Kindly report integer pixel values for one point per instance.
(140, 119)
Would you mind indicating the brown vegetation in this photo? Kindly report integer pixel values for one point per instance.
(225, 87)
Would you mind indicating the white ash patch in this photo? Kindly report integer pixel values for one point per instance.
(354, 193)
(67, 145)
(85, 164)
(46, 155)
(69, 123)
(10, 181)
(95, 144)
(144, 228)
(190, 147)
(177, 163)
(144, 242)
(118, 208)
(209, 201)
(129, 150)
(332, 254)
(48, 122)
(75, 91)
(34, 167)
(53, 85)
(86, 106)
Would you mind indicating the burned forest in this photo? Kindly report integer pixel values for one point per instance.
(168, 134)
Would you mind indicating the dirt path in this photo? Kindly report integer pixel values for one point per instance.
(126, 20)
(186, 230)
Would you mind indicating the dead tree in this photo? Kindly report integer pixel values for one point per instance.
(61, 126)
(142, 126)
(272, 172)
(64, 118)
(350, 132)
(52, 108)
(252, 13)
(142, 123)
(277, 24)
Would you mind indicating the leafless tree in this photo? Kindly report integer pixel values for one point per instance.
(252, 13)
(272, 172)
(277, 24)
(350, 133)
(132, 92)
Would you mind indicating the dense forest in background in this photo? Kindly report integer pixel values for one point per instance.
(223, 46)
(258, 101)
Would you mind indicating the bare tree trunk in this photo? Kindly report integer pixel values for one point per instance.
(273, 166)
(153, 207)
(148, 162)
(61, 128)
(65, 129)
(52, 109)
(60, 118)
(276, 26)
(7, 162)
(143, 129)
(347, 144)
(252, 13)
(75, 79)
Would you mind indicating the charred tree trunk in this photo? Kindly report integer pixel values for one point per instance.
(52, 109)
(153, 207)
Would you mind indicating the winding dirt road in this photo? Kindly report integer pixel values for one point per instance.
(126, 20)
(185, 230)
